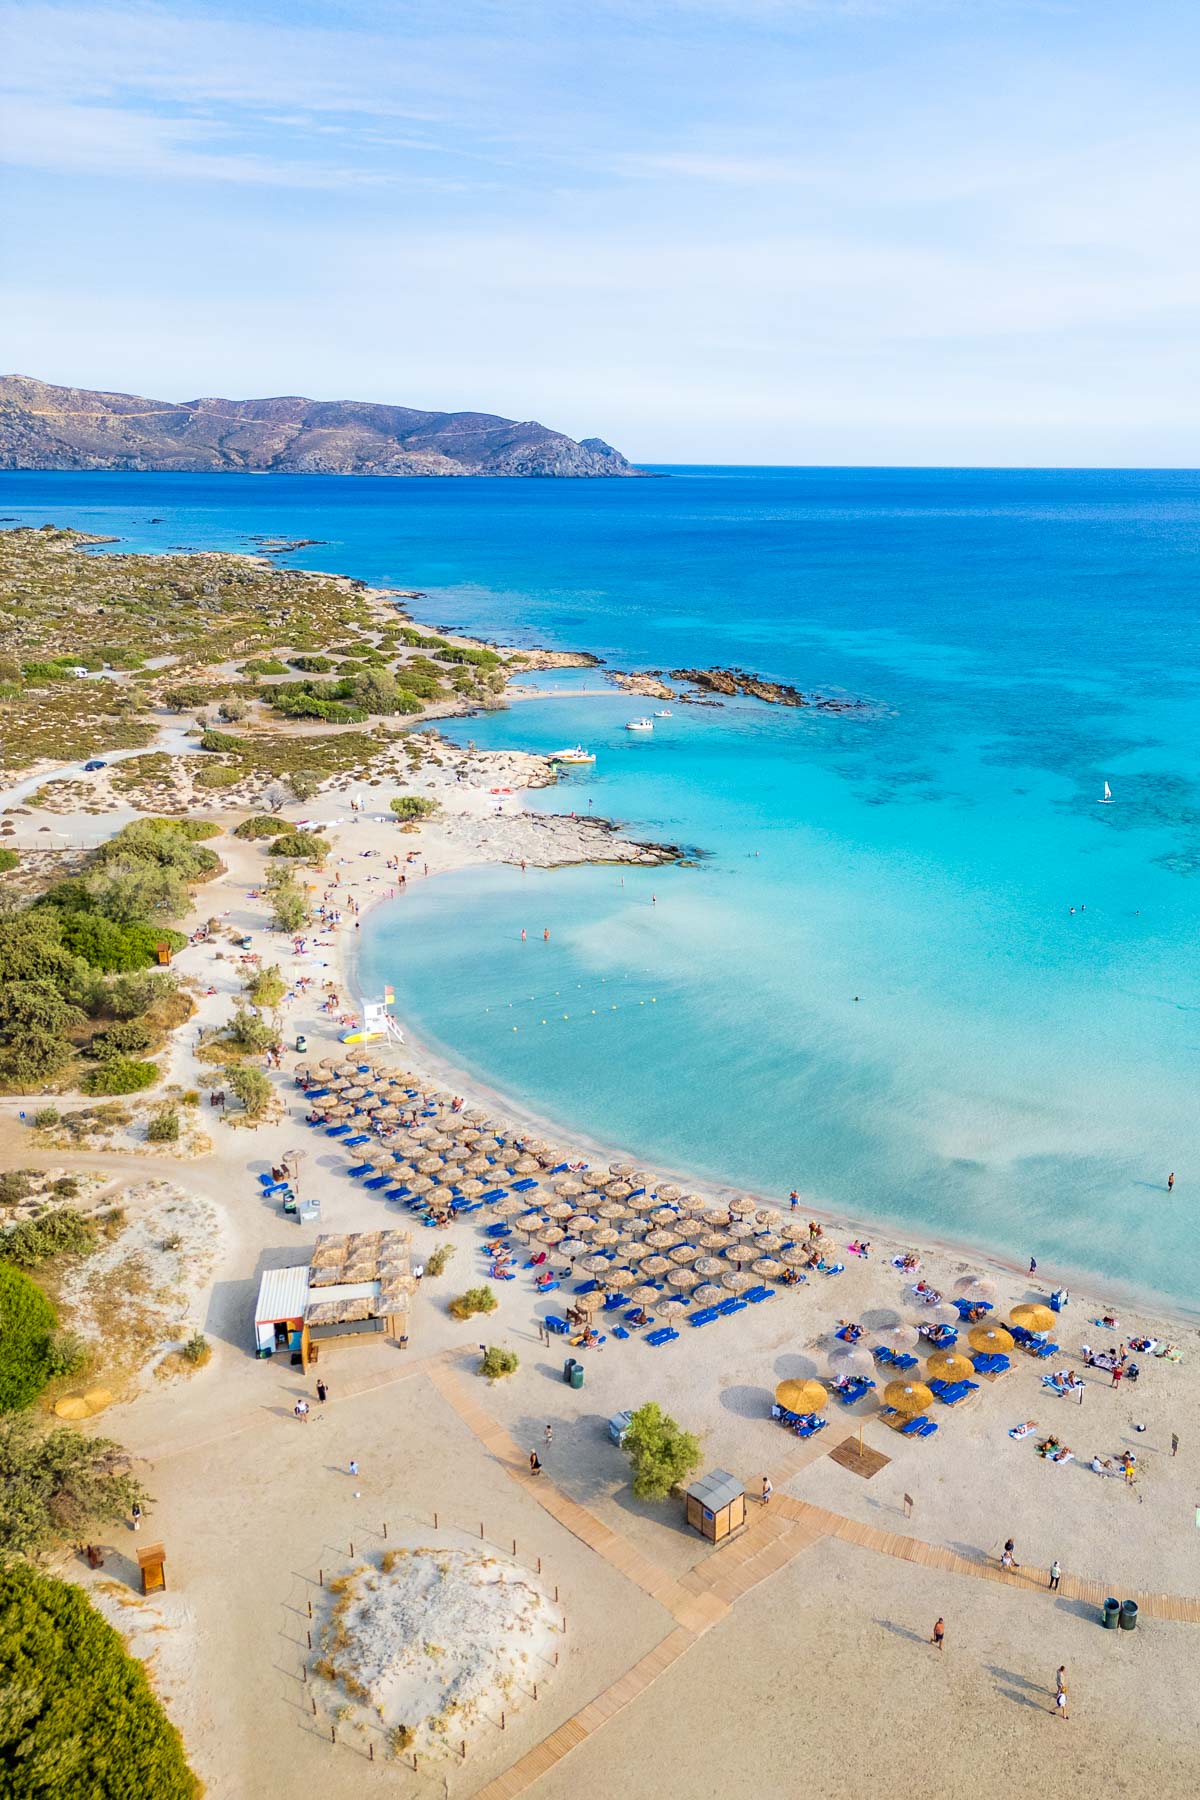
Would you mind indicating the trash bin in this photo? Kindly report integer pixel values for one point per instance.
(1058, 1299)
(1112, 1612)
(1129, 1615)
(577, 1381)
(567, 1367)
(301, 1044)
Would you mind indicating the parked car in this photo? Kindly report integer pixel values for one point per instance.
(96, 763)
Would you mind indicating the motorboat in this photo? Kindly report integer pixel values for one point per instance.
(665, 713)
(640, 725)
(574, 756)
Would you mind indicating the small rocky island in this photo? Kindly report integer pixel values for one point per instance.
(705, 683)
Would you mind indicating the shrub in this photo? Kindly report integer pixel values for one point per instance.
(120, 1077)
(113, 948)
(197, 1350)
(436, 1263)
(497, 1362)
(163, 1128)
(219, 775)
(8, 860)
(36, 1241)
(129, 996)
(252, 1088)
(190, 1098)
(249, 1032)
(232, 710)
(16, 1185)
(264, 665)
(224, 742)
(125, 1038)
(55, 1483)
(81, 1717)
(267, 987)
(413, 806)
(263, 825)
(27, 1326)
(661, 1453)
(312, 665)
(291, 907)
(475, 1300)
(305, 846)
(46, 1115)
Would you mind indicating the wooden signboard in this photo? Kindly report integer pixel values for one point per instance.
(152, 1563)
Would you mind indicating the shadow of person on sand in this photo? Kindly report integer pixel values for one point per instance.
(903, 1631)
(1018, 1688)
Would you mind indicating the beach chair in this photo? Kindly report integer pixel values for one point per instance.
(500, 1229)
(557, 1325)
(357, 1169)
(619, 1331)
(316, 1093)
(523, 1187)
(586, 1287)
(757, 1295)
(336, 1130)
(379, 1181)
(831, 1268)
(496, 1194)
(919, 1427)
(362, 1137)
(1041, 1351)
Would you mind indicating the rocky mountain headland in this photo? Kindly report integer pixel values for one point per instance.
(48, 427)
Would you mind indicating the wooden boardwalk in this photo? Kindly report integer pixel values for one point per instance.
(702, 1598)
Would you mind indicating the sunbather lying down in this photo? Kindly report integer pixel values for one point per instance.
(1020, 1431)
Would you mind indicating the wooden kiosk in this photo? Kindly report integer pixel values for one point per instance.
(152, 1563)
(716, 1506)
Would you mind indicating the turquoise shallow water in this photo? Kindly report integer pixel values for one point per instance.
(1012, 1074)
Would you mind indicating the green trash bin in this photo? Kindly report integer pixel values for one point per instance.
(1112, 1613)
(568, 1371)
(1129, 1615)
(577, 1375)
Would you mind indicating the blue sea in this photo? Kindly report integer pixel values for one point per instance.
(914, 968)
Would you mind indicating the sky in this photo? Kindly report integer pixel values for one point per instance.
(754, 231)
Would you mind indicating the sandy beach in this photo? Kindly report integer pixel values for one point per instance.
(823, 1608)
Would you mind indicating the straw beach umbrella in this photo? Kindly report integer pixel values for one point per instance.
(421, 1184)
(768, 1242)
(571, 1248)
(849, 1359)
(671, 1309)
(684, 1254)
(709, 1294)
(767, 1266)
(661, 1239)
(655, 1265)
(644, 1296)
(898, 1338)
(980, 1290)
(683, 1279)
(736, 1280)
(606, 1235)
(801, 1396)
(909, 1397)
(948, 1365)
(551, 1234)
(589, 1303)
(619, 1278)
(1032, 1316)
(989, 1340)
(596, 1265)
(709, 1265)
(794, 1257)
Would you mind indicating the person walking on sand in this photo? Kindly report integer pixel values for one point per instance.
(939, 1633)
(767, 1490)
(1010, 1549)
(549, 1435)
(1060, 1695)
(135, 1513)
(301, 1411)
(793, 1200)
(535, 1467)
(1174, 1443)
(1055, 1578)
(1033, 1265)
(322, 1392)
(354, 1465)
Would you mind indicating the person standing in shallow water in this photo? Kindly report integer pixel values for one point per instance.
(1171, 1182)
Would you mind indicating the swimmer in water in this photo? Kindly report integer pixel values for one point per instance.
(546, 935)
(523, 939)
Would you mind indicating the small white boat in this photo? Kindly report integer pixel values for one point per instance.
(640, 725)
(575, 756)
(1107, 799)
(664, 714)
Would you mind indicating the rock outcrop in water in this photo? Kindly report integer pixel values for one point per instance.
(731, 682)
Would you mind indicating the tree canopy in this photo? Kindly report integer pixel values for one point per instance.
(662, 1454)
(77, 1714)
(59, 1483)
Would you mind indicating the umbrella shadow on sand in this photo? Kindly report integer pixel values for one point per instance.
(747, 1402)
(795, 1368)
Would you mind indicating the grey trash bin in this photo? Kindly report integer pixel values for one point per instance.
(1112, 1612)
(577, 1375)
(567, 1367)
(1129, 1615)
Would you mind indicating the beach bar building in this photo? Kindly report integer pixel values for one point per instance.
(355, 1284)
(716, 1505)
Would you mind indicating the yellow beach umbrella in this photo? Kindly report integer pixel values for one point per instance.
(75, 1407)
(801, 1396)
(989, 1339)
(948, 1365)
(908, 1396)
(1032, 1316)
(96, 1399)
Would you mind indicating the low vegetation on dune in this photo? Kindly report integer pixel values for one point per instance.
(259, 645)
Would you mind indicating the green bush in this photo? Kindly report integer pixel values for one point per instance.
(125, 1038)
(46, 1115)
(312, 706)
(16, 1185)
(37, 1241)
(223, 741)
(252, 1088)
(219, 775)
(475, 1300)
(120, 1077)
(662, 1454)
(196, 1351)
(291, 906)
(266, 987)
(55, 1484)
(249, 1032)
(305, 846)
(9, 859)
(496, 1362)
(80, 1716)
(263, 825)
(163, 1128)
(231, 711)
(113, 948)
(264, 665)
(27, 1326)
(435, 1263)
(413, 806)
(312, 665)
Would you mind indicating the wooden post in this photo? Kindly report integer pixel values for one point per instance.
(514, 1546)
(464, 1749)
(535, 1690)
(481, 1531)
(313, 1698)
(371, 1751)
(309, 1635)
(304, 1671)
(503, 1726)
(322, 1578)
(435, 1523)
(333, 1734)
(385, 1531)
(539, 1567)
(310, 1609)
(556, 1593)
(352, 1552)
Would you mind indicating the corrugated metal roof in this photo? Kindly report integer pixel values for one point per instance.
(715, 1490)
(282, 1294)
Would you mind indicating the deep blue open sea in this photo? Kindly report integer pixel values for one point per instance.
(1012, 1074)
